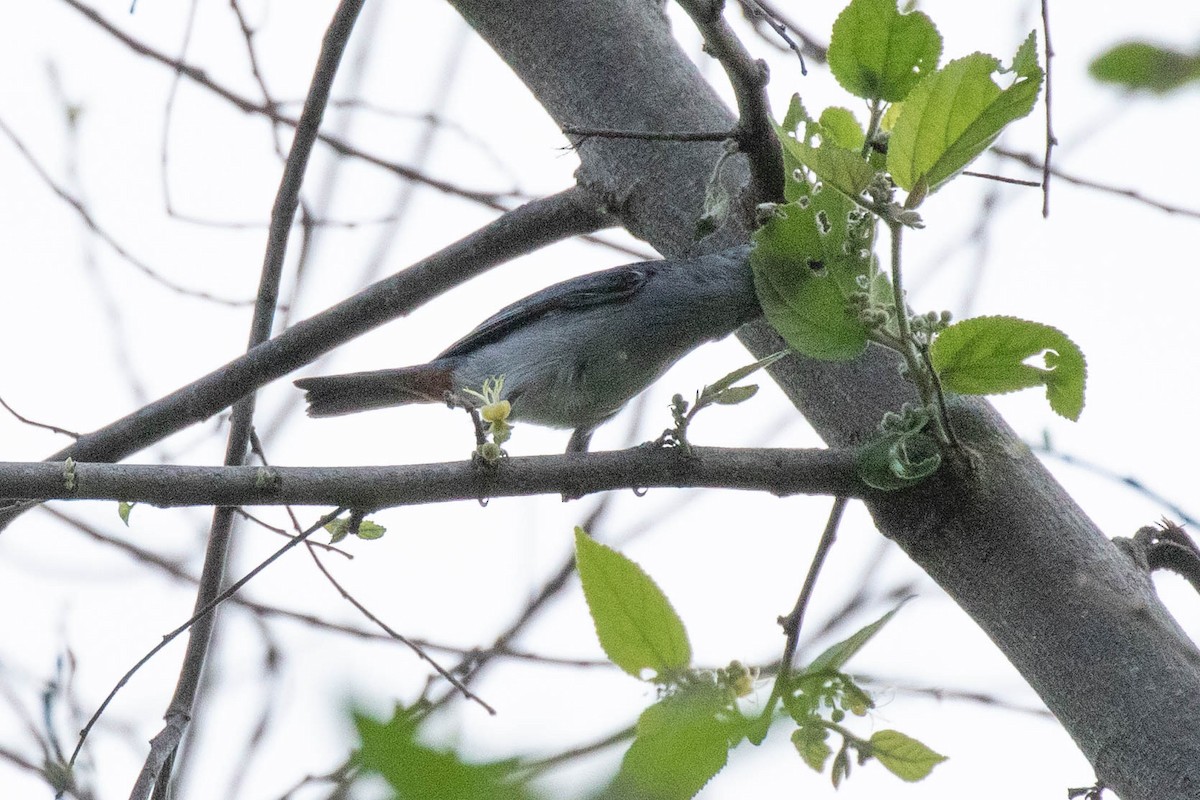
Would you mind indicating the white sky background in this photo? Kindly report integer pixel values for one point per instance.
(88, 338)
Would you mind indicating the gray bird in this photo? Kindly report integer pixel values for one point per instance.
(573, 353)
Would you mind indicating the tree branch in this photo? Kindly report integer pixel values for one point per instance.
(754, 133)
(781, 472)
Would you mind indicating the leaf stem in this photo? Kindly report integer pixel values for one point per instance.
(938, 393)
(919, 367)
(873, 123)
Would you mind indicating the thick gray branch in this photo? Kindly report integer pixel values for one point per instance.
(1078, 620)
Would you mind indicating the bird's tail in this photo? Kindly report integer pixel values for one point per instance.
(333, 395)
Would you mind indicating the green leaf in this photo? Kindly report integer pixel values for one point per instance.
(1025, 60)
(681, 743)
(370, 530)
(635, 622)
(904, 756)
(955, 114)
(810, 743)
(898, 459)
(123, 511)
(338, 530)
(718, 386)
(878, 53)
(844, 170)
(806, 262)
(734, 395)
(795, 185)
(841, 767)
(839, 127)
(836, 656)
(417, 772)
(1141, 65)
(795, 115)
(991, 355)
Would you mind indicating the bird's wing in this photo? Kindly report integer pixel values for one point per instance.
(597, 288)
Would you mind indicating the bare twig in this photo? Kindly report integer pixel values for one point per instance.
(174, 570)
(762, 10)
(45, 772)
(168, 116)
(532, 768)
(1132, 482)
(1132, 194)
(792, 623)
(200, 613)
(1051, 140)
(103, 235)
(1001, 178)
(473, 664)
(759, 14)
(396, 635)
(201, 78)
(46, 426)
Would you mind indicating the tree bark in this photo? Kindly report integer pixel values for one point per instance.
(1075, 616)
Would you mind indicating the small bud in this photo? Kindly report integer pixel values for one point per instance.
(490, 452)
(496, 412)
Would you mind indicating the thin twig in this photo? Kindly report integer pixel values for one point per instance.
(168, 115)
(179, 573)
(201, 78)
(650, 136)
(531, 769)
(88, 220)
(200, 613)
(812, 48)
(757, 12)
(793, 622)
(473, 665)
(394, 634)
(43, 425)
(1132, 482)
(1131, 194)
(1051, 140)
(1000, 178)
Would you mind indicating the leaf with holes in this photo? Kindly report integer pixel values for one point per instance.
(807, 262)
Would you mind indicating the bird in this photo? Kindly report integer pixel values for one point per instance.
(573, 354)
